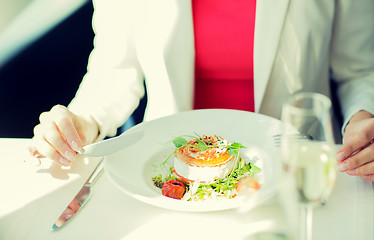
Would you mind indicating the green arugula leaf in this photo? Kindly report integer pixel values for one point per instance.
(232, 151)
(237, 145)
(201, 145)
(255, 169)
(179, 142)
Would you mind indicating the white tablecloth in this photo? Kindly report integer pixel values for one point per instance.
(32, 198)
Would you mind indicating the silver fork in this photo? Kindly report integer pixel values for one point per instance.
(297, 136)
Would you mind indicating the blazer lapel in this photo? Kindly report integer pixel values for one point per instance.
(179, 54)
(166, 51)
(176, 45)
(270, 15)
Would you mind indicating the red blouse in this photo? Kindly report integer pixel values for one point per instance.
(224, 33)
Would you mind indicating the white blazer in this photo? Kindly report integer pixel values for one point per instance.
(297, 43)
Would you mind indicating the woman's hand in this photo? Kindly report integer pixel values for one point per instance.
(61, 134)
(356, 156)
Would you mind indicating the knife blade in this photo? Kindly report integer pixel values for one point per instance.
(80, 199)
(111, 145)
(98, 149)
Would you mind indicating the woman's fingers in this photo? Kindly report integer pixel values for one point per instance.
(365, 171)
(369, 177)
(49, 151)
(356, 156)
(360, 164)
(353, 146)
(63, 119)
(61, 134)
(56, 136)
(359, 134)
(57, 140)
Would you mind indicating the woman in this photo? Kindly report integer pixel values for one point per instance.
(289, 46)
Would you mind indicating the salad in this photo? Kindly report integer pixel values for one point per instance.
(241, 180)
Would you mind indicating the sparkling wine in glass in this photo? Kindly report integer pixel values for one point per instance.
(307, 152)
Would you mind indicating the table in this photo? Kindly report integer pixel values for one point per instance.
(32, 198)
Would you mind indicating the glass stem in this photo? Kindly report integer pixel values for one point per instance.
(306, 219)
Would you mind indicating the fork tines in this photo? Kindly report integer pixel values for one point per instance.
(297, 136)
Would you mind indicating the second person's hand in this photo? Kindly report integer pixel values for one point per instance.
(356, 156)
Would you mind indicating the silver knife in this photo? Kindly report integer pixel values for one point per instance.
(111, 145)
(102, 148)
(80, 199)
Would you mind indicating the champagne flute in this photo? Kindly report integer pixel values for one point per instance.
(307, 152)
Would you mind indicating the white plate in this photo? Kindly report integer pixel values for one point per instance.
(132, 168)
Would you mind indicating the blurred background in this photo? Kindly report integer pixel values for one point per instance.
(44, 48)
